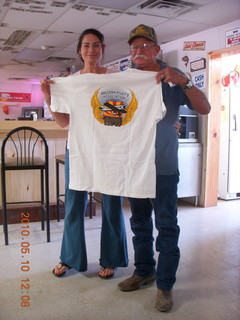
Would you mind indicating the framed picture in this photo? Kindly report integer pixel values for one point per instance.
(198, 64)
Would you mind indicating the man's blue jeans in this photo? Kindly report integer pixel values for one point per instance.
(113, 235)
(165, 208)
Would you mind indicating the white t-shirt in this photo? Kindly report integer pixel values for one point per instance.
(112, 130)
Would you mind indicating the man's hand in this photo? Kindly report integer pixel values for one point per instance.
(171, 76)
(177, 126)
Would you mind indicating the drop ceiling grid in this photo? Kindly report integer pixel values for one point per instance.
(172, 30)
(214, 13)
(30, 20)
(80, 20)
(127, 23)
(55, 40)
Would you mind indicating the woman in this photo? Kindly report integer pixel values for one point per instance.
(113, 235)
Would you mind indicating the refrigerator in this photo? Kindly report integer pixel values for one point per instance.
(229, 164)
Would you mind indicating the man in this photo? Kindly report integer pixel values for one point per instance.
(177, 90)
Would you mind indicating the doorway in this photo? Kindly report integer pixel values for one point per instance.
(216, 71)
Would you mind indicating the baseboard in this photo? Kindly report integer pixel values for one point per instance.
(14, 212)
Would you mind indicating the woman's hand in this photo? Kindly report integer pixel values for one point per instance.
(45, 86)
(61, 118)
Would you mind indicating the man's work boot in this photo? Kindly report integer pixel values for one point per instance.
(164, 301)
(135, 282)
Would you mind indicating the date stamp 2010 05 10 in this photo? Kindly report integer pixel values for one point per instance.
(25, 263)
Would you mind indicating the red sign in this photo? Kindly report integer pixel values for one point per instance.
(233, 41)
(233, 37)
(15, 97)
(194, 45)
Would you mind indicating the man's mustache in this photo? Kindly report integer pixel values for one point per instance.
(140, 56)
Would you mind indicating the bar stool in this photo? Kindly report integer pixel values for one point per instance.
(24, 144)
(60, 159)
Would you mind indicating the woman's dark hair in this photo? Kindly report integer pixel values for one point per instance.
(97, 33)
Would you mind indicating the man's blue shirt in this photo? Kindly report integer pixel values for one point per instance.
(167, 138)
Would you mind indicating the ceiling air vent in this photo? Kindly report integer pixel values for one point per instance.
(60, 59)
(17, 37)
(103, 13)
(58, 4)
(34, 55)
(17, 79)
(7, 48)
(23, 1)
(164, 8)
(79, 7)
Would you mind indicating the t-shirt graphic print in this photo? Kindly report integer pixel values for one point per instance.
(114, 106)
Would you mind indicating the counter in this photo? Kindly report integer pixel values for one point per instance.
(50, 129)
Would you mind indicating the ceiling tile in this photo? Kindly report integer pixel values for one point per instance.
(120, 4)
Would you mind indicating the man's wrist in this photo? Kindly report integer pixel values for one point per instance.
(189, 84)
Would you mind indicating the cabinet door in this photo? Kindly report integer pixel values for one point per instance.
(190, 160)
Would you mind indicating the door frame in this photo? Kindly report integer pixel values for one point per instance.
(209, 195)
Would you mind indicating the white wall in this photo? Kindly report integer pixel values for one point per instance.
(15, 109)
(172, 54)
(215, 39)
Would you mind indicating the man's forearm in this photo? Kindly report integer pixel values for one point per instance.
(198, 100)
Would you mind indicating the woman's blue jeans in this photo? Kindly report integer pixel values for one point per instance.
(165, 208)
(113, 252)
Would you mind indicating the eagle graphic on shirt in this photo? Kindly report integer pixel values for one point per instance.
(114, 106)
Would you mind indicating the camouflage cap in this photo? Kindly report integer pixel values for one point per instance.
(143, 31)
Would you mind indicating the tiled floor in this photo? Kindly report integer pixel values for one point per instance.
(207, 287)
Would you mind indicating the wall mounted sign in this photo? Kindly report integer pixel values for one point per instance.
(200, 81)
(15, 97)
(233, 37)
(198, 64)
(125, 64)
(194, 45)
(120, 64)
(114, 65)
